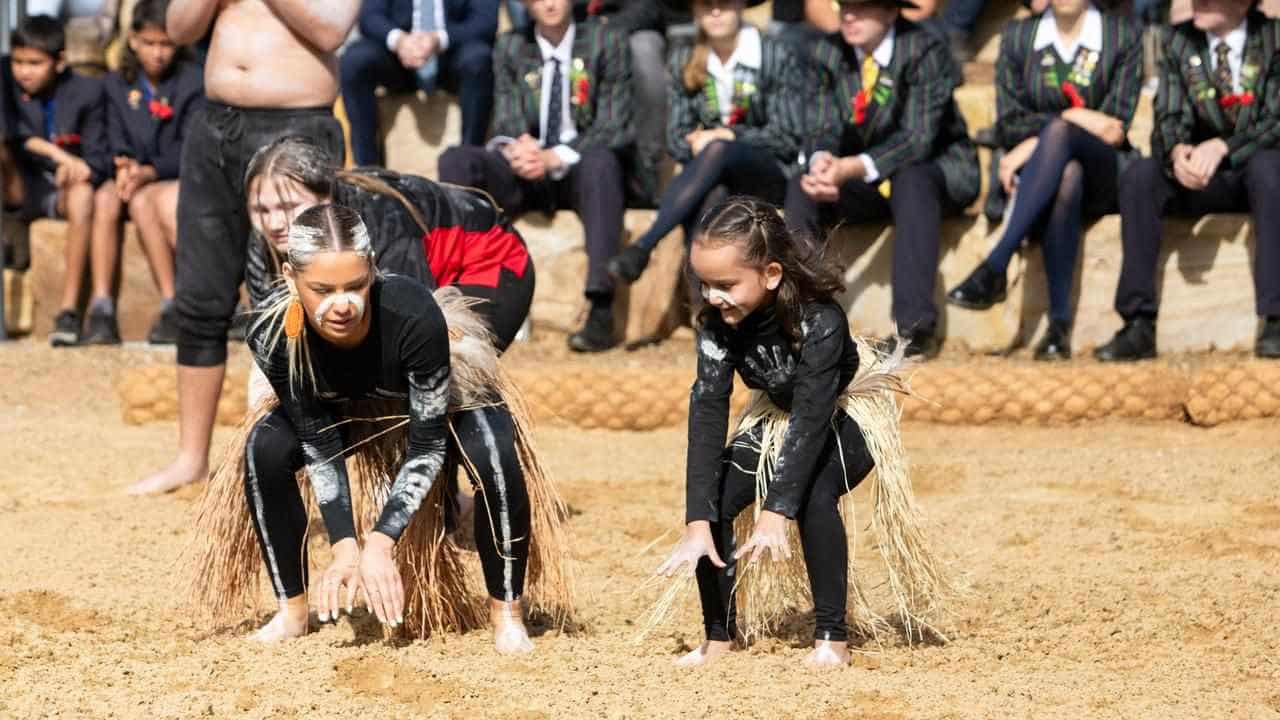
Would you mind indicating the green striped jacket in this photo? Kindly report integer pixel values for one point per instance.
(1187, 109)
(603, 121)
(913, 119)
(1029, 95)
(772, 95)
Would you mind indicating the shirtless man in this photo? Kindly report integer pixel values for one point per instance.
(271, 72)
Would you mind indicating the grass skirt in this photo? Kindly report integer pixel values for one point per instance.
(224, 562)
(769, 594)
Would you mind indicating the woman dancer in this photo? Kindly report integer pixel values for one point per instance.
(348, 351)
(814, 430)
(1067, 85)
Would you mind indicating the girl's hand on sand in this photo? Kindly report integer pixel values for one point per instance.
(696, 543)
(770, 532)
(343, 571)
(381, 579)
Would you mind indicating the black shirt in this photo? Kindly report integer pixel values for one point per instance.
(405, 355)
(807, 383)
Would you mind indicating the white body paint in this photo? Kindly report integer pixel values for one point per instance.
(258, 515)
(504, 509)
(712, 294)
(351, 299)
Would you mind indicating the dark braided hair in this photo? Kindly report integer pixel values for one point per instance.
(757, 229)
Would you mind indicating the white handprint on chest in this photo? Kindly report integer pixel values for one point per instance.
(772, 364)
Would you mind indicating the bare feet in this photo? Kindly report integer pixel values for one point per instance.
(828, 654)
(509, 634)
(182, 471)
(290, 622)
(710, 651)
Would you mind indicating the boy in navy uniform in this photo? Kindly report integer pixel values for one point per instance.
(56, 152)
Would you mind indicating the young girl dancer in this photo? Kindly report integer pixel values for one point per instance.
(348, 351)
(814, 430)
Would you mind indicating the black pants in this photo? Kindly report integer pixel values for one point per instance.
(465, 69)
(1147, 194)
(506, 306)
(722, 168)
(822, 534)
(1070, 176)
(213, 224)
(916, 206)
(593, 188)
(486, 435)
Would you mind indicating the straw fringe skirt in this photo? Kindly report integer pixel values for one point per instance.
(225, 565)
(769, 593)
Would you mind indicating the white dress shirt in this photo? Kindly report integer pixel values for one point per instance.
(1090, 36)
(564, 53)
(747, 54)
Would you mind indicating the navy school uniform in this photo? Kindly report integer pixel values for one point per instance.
(70, 115)
(148, 123)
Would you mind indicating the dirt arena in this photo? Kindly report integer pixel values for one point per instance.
(1113, 571)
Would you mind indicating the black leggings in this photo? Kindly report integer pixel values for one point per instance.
(1069, 163)
(822, 534)
(723, 167)
(506, 306)
(486, 435)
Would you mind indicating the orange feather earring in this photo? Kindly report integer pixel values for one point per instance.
(293, 319)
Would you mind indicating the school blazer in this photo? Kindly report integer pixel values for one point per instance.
(772, 97)
(1187, 102)
(1029, 94)
(138, 131)
(79, 121)
(911, 117)
(601, 57)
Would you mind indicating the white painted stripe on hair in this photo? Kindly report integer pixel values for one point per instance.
(504, 511)
(258, 518)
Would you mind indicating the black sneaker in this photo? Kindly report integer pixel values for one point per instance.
(1135, 341)
(165, 329)
(1056, 344)
(66, 329)
(239, 325)
(102, 328)
(628, 265)
(983, 288)
(1269, 339)
(597, 334)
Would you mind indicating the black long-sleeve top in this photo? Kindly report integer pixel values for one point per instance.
(806, 382)
(405, 355)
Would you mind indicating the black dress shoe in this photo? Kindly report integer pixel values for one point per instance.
(597, 334)
(983, 288)
(1056, 344)
(1135, 341)
(921, 343)
(1269, 340)
(628, 265)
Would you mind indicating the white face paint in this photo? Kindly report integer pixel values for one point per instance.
(711, 295)
(353, 299)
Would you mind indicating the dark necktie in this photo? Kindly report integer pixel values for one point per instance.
(1222, 74)
(551, 137)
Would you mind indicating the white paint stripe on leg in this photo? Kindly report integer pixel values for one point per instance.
(258, 518)
(504, 510)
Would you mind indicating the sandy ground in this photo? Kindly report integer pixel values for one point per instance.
(1114, 571)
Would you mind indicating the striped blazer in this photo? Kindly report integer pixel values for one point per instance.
(1029, 94)
(1187, 109)
(772, 95)
(912, 118)
(603, 121)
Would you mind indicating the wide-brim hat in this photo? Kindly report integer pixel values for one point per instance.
(904, 4)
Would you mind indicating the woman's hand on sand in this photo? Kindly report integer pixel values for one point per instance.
(343, 571)
(381, 579)
(696, 543)
(769, 533)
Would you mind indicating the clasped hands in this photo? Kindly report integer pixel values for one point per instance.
(416, 48)
(1195, 165)
(769, 533)
(827, 173)
(529, 160)
(372, 571)
(131, 176)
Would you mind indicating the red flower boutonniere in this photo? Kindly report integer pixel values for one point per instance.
(860, 102)
(737, 115)
(1229, 101)
(1073, 95)
(66, 139)
(579, 82)
(594, 7)
(160, 110)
